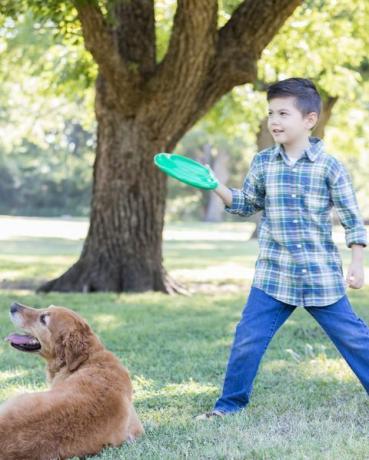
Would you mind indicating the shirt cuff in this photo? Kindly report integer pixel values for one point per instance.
(238, 202)
(356, 236)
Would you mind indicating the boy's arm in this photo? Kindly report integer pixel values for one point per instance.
(250, 199)
(355, 272)
(344, 200)
(225, 194)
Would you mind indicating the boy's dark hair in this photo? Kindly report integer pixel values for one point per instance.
(307, 97)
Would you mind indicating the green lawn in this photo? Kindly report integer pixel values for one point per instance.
(306, 404)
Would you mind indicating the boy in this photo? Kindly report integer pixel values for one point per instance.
(295, 183)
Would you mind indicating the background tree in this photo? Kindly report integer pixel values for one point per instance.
(46, 120)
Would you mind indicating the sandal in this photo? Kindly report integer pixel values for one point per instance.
(210, 415)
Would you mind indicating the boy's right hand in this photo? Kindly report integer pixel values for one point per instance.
(211, 172)
(221, 190)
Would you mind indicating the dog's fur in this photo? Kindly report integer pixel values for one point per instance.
(89, 404)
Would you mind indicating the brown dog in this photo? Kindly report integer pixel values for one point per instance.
(89, 404)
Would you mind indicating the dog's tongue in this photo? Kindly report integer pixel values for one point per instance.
(20, 339)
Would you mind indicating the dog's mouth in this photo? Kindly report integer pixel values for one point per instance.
(23, 342)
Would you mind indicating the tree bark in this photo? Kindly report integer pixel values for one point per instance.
(123, 248)
(143, 108)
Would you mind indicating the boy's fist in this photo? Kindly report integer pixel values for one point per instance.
(355, 276)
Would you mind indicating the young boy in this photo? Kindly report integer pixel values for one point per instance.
(295, 183)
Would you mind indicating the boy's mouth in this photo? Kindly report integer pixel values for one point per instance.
(278, 131)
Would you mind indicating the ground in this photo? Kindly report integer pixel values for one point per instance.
(306, 403)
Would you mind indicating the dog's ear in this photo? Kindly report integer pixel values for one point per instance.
(76, 349)
(72, 347)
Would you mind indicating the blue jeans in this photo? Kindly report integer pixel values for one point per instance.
(262, 316)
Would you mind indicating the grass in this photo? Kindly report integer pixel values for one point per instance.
(306, 403)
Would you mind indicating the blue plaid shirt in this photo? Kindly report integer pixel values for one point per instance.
(298, 262)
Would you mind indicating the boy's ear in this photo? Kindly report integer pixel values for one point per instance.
(312, 119)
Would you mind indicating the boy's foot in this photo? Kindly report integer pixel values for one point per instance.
(210, 415)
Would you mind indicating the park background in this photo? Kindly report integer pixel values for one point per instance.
(306, 403)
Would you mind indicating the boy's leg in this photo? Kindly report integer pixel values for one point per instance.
(349, 333)
(261, 318)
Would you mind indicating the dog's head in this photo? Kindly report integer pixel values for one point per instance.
(56, 333)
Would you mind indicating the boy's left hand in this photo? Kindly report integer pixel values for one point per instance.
(355, 275)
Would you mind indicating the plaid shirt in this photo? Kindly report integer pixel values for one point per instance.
(298, 262)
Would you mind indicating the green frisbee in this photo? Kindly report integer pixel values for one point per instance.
(189, 171)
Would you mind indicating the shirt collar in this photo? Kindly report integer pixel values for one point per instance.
(312, 152)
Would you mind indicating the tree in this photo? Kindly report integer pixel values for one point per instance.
(142, 107)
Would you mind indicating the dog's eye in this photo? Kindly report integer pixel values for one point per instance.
(43, 319)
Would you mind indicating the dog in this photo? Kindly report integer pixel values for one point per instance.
(89, 403)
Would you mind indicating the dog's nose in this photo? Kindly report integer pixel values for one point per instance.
(16, 307)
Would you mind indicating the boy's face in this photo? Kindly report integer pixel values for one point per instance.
(286, 123)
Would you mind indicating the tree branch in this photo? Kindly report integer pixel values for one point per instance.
(134, 28)
(191, 47)
(263, 20)
(181, 74)
(239, 46)
(99, 41)
(243, 38)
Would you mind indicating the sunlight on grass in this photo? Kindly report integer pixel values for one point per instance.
(276, 365)
(36, 249)
(225, 271)
(19, 385)
(107, 321)
(148, 388)
(73, 229)
(16, 373)
(323, 368)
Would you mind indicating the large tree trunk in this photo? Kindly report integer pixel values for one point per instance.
(142, 108)
(123, 248)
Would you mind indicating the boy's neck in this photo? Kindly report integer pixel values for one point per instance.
(296, 149)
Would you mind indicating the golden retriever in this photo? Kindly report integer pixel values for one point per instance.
(89, 403)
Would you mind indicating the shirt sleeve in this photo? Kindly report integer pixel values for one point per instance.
(251, 198)
(344, 200)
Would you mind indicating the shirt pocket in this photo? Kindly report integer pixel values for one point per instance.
(316, 199)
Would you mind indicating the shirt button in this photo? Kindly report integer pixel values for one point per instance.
(294, 169)
(295, 221)
(293, 195)
(304, 270)
(298, 245)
